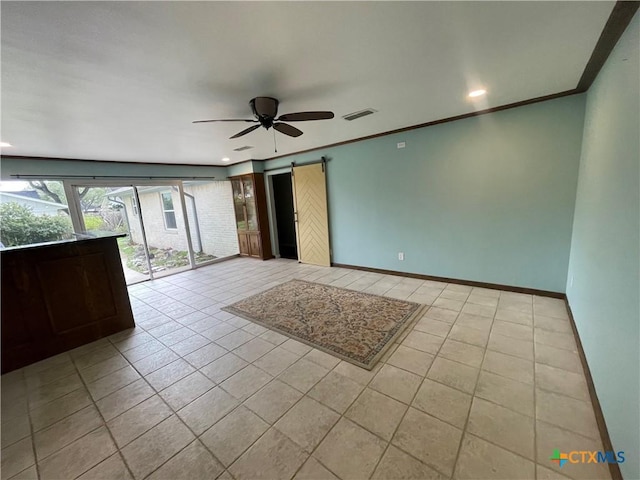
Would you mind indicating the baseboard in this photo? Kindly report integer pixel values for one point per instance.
(471, 283)
(614, 468)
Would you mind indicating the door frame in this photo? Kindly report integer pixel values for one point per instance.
(271, 207)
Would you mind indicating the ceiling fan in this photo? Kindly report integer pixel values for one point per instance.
(265, 110)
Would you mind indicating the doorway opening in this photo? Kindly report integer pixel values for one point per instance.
(285, 219)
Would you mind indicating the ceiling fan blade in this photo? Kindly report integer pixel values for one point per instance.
(245, 131)
(225, 120)
(304, 116)
(287, 129)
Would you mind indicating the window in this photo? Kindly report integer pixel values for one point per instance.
(33, 212)
(169, 213)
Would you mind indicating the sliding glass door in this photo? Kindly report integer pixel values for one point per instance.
(163, 218)
(113, 209)
(153, 218)
(165, 234)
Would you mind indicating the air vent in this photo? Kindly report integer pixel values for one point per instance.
(240, 149)
(360, 114)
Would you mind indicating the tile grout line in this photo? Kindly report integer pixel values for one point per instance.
(398, 342)
(279, 418)
(104, 424)
(534, 418)
(410, 406)
(473, 396)
(241, 403)
(533, 386)
(177, 416)
(196, 439)
(73, 413)
(508, 354)
(175, 412)
(535, 394)
(341, 416)
(31, 429)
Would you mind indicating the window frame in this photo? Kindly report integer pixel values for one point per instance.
(134, 206)
(171, 211)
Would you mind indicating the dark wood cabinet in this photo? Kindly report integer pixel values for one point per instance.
(60, 296)
(252, 222)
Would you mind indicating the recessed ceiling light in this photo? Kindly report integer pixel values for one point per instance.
(477, 93)
(225, 159)
(5, 144)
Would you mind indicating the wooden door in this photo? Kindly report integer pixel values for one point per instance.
(312, 220)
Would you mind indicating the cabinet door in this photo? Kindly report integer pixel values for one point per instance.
(243, 243)
(254, 245)
(250, 203)
(238, 204)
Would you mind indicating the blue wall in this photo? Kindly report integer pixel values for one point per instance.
(245, 167)
(489, 198)
(605, 249)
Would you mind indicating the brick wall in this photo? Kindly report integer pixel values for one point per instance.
(214, 203)
(157, 234)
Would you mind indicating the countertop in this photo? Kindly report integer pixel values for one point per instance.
(78, 238)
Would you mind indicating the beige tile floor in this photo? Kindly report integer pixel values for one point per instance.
(486, 385)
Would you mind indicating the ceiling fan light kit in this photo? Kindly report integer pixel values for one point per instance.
(265, 110)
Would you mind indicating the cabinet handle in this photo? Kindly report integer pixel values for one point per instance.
(295, 217)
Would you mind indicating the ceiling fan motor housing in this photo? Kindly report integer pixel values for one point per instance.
(265, 110)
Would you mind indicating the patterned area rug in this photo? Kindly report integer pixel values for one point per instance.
(357, 327)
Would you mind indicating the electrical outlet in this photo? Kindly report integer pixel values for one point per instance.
(400, 255)
(401, 144)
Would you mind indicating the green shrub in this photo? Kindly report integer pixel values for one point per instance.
(20, 226)
(93, 223)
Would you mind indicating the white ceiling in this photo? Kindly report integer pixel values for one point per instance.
(124, 80)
